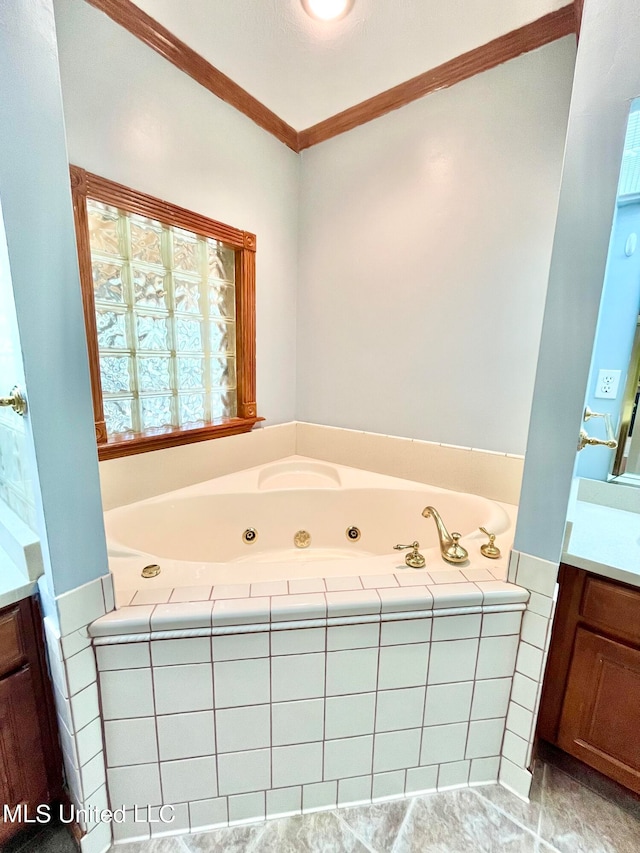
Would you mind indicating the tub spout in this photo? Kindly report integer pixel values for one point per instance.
(451, 550)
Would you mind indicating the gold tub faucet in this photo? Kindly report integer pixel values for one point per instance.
(451, 550)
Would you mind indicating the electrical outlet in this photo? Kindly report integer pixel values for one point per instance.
(607, 384)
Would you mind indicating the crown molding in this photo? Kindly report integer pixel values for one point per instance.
(540, 32)
(578, 6)
(164, 42)
(509, 46)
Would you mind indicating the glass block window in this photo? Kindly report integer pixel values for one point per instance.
(169, 307)
(165, 309)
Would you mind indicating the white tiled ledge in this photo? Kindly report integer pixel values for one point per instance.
(314, 608)
(387, 574)
(336, 621)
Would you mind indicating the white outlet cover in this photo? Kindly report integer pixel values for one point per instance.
(607, 384)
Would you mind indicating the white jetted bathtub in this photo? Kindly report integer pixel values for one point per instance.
(273, 679)
(347, 519)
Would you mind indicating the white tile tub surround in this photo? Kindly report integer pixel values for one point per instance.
(540, 578)
(278, 714)
(497, 476)
(494, 475)
(133, 478)
(72, 664)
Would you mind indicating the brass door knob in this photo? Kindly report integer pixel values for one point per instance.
(585, 440)
(16, 400)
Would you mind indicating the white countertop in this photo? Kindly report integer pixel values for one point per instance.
(14, 585)
(604, 539)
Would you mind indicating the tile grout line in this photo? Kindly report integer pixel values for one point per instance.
(529, 832)
(253, 844)
(507, 814)
(271, 703)
(543, 787)
(515, 670)
(324, 715)
(155, 721)
(180, 838)
(342, 821)
(403, 823)
(474, 687)
(375, 707)
(424, 706)
(215, 733)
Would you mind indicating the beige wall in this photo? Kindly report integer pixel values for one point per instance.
(425, 240)
(134, 118)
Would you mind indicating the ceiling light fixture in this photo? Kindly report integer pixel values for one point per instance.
(327, 10)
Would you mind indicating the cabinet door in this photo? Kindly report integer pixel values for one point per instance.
(601, 712)
(12, 647)
(22, 770)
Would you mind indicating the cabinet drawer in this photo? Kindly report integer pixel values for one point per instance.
(12, 648)
(611, 606)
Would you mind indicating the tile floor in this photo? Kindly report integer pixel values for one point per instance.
(563, 815)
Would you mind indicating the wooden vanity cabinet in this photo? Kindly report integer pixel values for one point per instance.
(590, 704)
(30, 763)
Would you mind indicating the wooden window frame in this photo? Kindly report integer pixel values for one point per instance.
(86, 185)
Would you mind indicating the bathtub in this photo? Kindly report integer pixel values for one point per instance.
(350, 520)
(332, 674)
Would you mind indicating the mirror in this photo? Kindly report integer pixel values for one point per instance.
(627, 459)
(615, 366)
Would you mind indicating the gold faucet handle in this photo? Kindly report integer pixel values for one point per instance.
(489, 549)
(415, 559)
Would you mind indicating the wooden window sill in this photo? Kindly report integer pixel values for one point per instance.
(172, 437)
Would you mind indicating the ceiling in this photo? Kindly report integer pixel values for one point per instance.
(306, 71)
